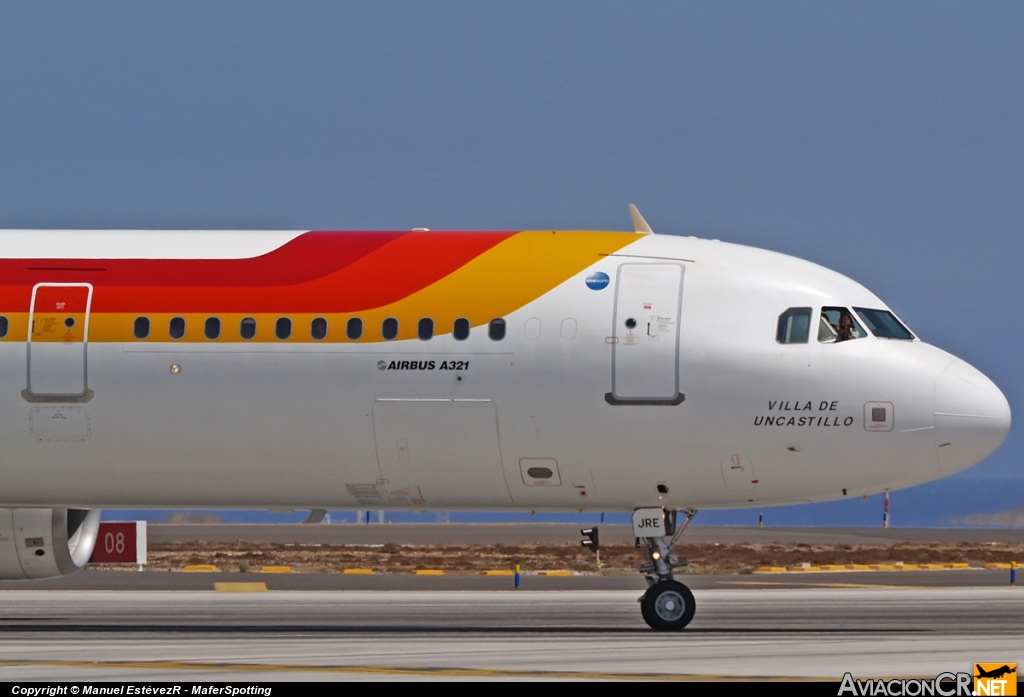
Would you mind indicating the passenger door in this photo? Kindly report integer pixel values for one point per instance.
(645, 334)
(58, 340)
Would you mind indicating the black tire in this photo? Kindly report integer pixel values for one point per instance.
(668, 606)
(645, 610)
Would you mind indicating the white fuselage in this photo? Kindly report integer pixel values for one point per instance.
(734, 417)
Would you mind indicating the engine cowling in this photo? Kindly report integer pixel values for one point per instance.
(46, 542)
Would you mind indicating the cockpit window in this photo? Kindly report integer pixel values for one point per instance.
(837, 324)
(826, 334)
(884, 324)
(794, 326)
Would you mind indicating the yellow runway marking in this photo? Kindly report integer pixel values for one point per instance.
(828, 585)
(399, 670)
(899, 566)
(428, 572)
(276, 570)
(358, 572)
(240, 587)
(200, 568)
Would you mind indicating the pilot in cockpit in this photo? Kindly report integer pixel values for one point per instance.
(844, 328)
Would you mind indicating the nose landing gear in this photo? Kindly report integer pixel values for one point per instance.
(667, 605)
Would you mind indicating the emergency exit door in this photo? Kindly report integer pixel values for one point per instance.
(58, 338)
(645, 334)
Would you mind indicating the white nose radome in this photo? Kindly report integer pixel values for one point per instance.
(972, 417)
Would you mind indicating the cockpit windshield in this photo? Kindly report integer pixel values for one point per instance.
(884, 324)
(837, 324)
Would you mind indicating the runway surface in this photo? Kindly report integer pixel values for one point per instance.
(124, 580)
(745, 631)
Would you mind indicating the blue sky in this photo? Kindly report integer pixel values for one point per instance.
(882, 140)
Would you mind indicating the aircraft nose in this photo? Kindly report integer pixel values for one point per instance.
(972, 417)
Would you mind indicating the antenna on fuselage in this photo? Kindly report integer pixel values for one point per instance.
(640, 225)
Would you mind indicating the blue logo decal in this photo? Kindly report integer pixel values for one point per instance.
(597, 280)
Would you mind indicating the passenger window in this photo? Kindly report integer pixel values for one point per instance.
(354, 329)
(884, 324)
(283, 328)
(425, 329)
(794, 326)
(4, 326)
(140, 329)
(176, 328)
(568, 331)
(460, 330)
(247, 328)
(496, 329)
(841, 326)
(318, 328)
(389, 330)
(212, 328)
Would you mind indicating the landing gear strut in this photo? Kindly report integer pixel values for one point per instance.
(667, 605)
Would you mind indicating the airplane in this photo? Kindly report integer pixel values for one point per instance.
(535, 370)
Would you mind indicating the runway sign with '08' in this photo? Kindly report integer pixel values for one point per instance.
(121, 543)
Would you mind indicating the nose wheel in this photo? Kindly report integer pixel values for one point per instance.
(668, 606)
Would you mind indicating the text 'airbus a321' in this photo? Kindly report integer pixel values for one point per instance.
(531, 370)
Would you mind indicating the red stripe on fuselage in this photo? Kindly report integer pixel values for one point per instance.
(315, 272)
(310, 255)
